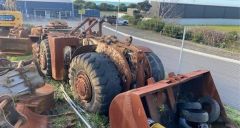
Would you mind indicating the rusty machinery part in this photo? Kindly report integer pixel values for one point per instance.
(36, 51)
(57, 45)
(5, 66)
(95, 81)
(21, 81)
(193, 86)
(88, 31)
(9, 117)
(36, 33)
(119, 60)
(31, 119)
(19, 32)
(57, 24)
(134, 63)
(15, 46)
(45, 58)
(40, 101)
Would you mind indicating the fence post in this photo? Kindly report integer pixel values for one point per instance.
(181, 51)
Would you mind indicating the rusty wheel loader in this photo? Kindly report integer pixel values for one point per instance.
(128, 81)
(98, 67)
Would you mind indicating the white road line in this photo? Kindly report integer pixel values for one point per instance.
(177, 48)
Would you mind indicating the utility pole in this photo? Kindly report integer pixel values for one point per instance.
(117, 19)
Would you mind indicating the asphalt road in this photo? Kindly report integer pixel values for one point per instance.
(225, 72)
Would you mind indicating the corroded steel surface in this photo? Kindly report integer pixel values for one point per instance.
(132, 112)
(11, 46)
(21, 81)
(83, 87)
(57, 45)
(31, 119)
(119, 60)
(42, 100)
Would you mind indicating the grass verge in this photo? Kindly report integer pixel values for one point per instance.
(233, 115)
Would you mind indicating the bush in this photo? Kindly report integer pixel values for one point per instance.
(151, 24)
(131, 19)
(197, 36)
(215, 38)
(173, 30)
(232, 36)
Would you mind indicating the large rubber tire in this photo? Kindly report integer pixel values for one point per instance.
(104, 79)
(194, 115)
(156, 66)
(46, 55)
(213, 111)
(189, 105)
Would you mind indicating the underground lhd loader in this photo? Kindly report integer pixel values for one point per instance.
(97, 67)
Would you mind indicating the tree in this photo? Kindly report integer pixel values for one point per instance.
(168, 9)
(123, 7)
(132, 5)
(79, 4)
(107, 7)
(144, 6)
(90, 5)
(103, 6)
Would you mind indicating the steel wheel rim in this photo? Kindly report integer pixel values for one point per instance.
(83, 87)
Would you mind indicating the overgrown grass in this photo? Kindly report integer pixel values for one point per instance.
(234, 115)
(223, 28)
(96, 120)
(19, 58)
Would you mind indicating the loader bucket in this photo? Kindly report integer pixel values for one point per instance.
(15, 46)
(158, 100)
(31, 119)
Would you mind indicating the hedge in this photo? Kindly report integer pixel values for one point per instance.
(199, 35)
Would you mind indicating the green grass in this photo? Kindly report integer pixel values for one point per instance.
(234, 115)
(19, 58)
(220, 28)
(96, 120)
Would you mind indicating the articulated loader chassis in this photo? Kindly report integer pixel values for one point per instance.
(100, 68)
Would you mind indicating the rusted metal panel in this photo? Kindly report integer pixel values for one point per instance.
(21, 81)
(31, 119)
(57, 45)
(42, 100)
(15, 46)
(126, 111)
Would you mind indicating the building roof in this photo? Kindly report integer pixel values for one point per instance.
(226, 3)
(62, 1)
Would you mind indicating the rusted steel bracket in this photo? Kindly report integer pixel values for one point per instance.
(57, 45)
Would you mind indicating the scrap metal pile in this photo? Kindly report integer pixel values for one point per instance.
(23, 96)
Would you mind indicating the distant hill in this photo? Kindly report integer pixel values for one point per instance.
(113, 3)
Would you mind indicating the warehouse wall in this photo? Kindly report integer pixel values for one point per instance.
(30, 7)
(198, 11)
